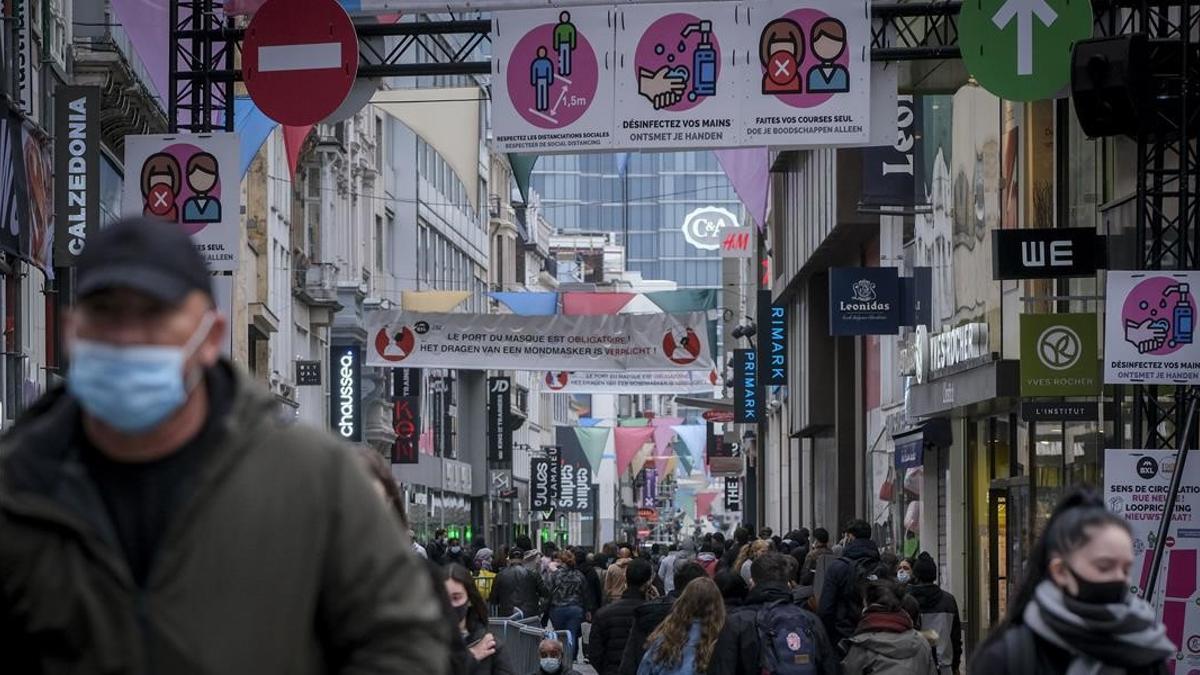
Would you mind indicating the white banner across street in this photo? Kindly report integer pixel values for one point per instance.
(665, 382)
(609, 343)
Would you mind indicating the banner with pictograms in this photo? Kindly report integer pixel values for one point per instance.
(610, 343)
(664, 382)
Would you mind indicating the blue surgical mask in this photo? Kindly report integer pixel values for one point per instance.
(550, 664)
(903, 577)
(132, 388)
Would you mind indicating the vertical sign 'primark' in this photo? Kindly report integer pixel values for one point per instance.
(345, 407)
(499, 430)
(76, 171)
(772, 341)
(747, 402)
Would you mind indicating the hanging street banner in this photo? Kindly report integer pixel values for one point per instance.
(747, 387)
(557, 75)
(543, 484)
(1135, 488)
(665, 382)
(607, 343)
(1059, 355)
(864, 301)
(191, 180)
(772, 341)
(682, 75)
(1149, 328)
(499, 427)
(76, 171)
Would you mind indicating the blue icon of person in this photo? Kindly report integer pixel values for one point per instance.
(541, 77)
(202, 174)
(828, 43)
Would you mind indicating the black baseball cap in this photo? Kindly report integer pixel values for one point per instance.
(150, 256)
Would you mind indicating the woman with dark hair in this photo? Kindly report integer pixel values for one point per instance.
(684, 643)
(569, 598)
(486, 655)
(885, 641)
(733, 588)
(1073, 612)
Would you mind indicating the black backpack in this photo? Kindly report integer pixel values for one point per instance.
(862, 572)
(786, 638)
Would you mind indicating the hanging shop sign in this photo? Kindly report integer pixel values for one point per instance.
(191, 180)
(738, 242)
(1059, 355)
(864, 301)
(1047, 253)
(631, 382)
(916, 298)
(406, 424)
(543, 487)
(1060, 411)
(499, 430)
(1149, 328)
(890, 172)
(682, 75)
(1135, 488)
(608, 343)
(575, 488)
(650, 488)
(76, 171)
(958, 348)
(772, 341)
(308, 373)
(406, 382)
(747, 393)
(733, 494)
(910, 453)
(345, 403)
(705, 228)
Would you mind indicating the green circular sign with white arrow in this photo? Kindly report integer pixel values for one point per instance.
(1020, 50)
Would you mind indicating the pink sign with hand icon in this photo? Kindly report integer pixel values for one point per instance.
(678, 62)
(1158, 316)
(1150, 328)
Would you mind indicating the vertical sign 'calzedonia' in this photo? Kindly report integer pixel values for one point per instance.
(76, 171)
(345, 407)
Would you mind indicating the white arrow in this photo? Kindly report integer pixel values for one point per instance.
(1023, 11)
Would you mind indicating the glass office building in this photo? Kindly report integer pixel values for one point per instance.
(645, 206)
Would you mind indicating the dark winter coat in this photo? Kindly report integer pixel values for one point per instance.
(939, 613)
(840, 602)
(516, 587)
(646, 618)
(744, 658)
(886, 644)
(568, 586)
(496, 664)
(993, 658)
(281, 560)
(611, 626)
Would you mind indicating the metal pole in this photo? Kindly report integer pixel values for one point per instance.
(1169, 508)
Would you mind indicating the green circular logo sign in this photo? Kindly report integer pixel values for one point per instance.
(1020, 50)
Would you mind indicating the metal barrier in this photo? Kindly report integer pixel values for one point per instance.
(520, 639)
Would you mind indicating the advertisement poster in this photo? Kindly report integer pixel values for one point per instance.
(665, 382)
(39, 178)
(557, 68)
(1059, 355)
(811, 81)
(191, 180)
(675, 84)
(14, 203)
(617, 342)
(1135, 487)
(1150, 327)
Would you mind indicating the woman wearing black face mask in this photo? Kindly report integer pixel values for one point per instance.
(1074, 612)
(485, 652)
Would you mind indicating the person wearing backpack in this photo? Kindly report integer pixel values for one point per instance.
(839, 602)
(885, 641)
(773, 635)
(939, 612)
(1073, 612)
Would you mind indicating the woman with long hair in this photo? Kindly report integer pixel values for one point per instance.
(569, 598)
(684, 643)
(749, 554)
(484, 653)
(1073, 612)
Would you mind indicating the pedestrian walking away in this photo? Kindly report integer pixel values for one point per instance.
(885, 642)
(939, 612)
(839, 600)
(1073, 612)
(685, 642)
(613, 623)
(156, 505)
(650, 614)
(568, 599)
(519, 589)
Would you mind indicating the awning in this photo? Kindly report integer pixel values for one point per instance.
(910, 445)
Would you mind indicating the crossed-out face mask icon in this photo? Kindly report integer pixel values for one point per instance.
(781, 50)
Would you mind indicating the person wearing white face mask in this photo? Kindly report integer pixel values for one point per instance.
(157, 506)
(550, 659)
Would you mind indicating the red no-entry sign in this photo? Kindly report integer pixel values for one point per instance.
(299, 59)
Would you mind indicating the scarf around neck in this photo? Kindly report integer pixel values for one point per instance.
(1101, 639)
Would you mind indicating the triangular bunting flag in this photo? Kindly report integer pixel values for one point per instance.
(663, 434)
(593, 440)
(704, 502)
(694, 436)
(629, 442)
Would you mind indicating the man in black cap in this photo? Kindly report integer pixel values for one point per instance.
(157, 517)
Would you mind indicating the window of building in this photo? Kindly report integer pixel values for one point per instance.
(378, 142)
(380, 256)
